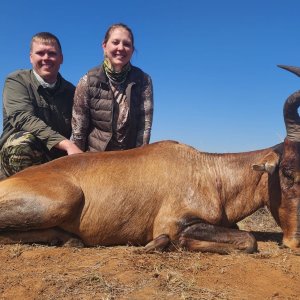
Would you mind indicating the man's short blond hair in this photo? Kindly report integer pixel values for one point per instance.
(47, 38)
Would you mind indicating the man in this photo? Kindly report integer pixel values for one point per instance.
(37, 109)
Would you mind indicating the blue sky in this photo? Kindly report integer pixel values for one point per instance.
(213, 63)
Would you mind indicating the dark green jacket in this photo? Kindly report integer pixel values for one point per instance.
(45, 113)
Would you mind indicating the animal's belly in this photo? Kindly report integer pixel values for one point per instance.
(115, 233)
(114, 227)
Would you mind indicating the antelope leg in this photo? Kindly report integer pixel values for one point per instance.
(53, 237)
(211, 238)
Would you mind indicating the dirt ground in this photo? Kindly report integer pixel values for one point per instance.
(42, 272)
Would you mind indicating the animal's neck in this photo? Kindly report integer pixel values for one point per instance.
(242, 193)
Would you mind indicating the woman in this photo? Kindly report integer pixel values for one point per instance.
(113, 103)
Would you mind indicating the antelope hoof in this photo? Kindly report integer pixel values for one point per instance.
(160, 243)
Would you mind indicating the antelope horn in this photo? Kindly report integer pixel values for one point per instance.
(290, 110)
(295, 70)
(291, 117)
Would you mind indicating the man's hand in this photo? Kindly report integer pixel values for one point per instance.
(68, 146)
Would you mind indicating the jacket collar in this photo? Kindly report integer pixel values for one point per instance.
(60, 83)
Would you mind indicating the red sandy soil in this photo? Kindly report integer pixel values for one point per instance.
(44, 272)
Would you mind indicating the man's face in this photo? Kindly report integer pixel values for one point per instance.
(46, 60)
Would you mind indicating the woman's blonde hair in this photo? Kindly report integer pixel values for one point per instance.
(113, 27)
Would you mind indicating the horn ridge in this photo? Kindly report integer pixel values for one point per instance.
(291, 116)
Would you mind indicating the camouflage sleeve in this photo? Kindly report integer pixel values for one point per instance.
(81, 115)
(146, 112)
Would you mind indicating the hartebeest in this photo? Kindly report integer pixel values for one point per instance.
(163, 195)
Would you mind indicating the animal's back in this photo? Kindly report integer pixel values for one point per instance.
(124, 191)
(121, 191)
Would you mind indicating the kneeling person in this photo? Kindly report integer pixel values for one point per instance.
(37, 109)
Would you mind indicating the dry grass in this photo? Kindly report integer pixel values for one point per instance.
(16, 250)
(261, 220)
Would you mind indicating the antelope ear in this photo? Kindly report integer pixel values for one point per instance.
(267, 164)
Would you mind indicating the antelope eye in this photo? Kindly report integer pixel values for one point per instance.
(287, 173)
(288, 177)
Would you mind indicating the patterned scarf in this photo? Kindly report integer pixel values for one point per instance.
(113, 76)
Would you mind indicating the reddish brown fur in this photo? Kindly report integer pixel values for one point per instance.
(155, 193)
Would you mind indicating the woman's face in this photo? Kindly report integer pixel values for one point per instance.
(118, 48)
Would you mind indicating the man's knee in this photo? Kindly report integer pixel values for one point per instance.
(21, 150)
